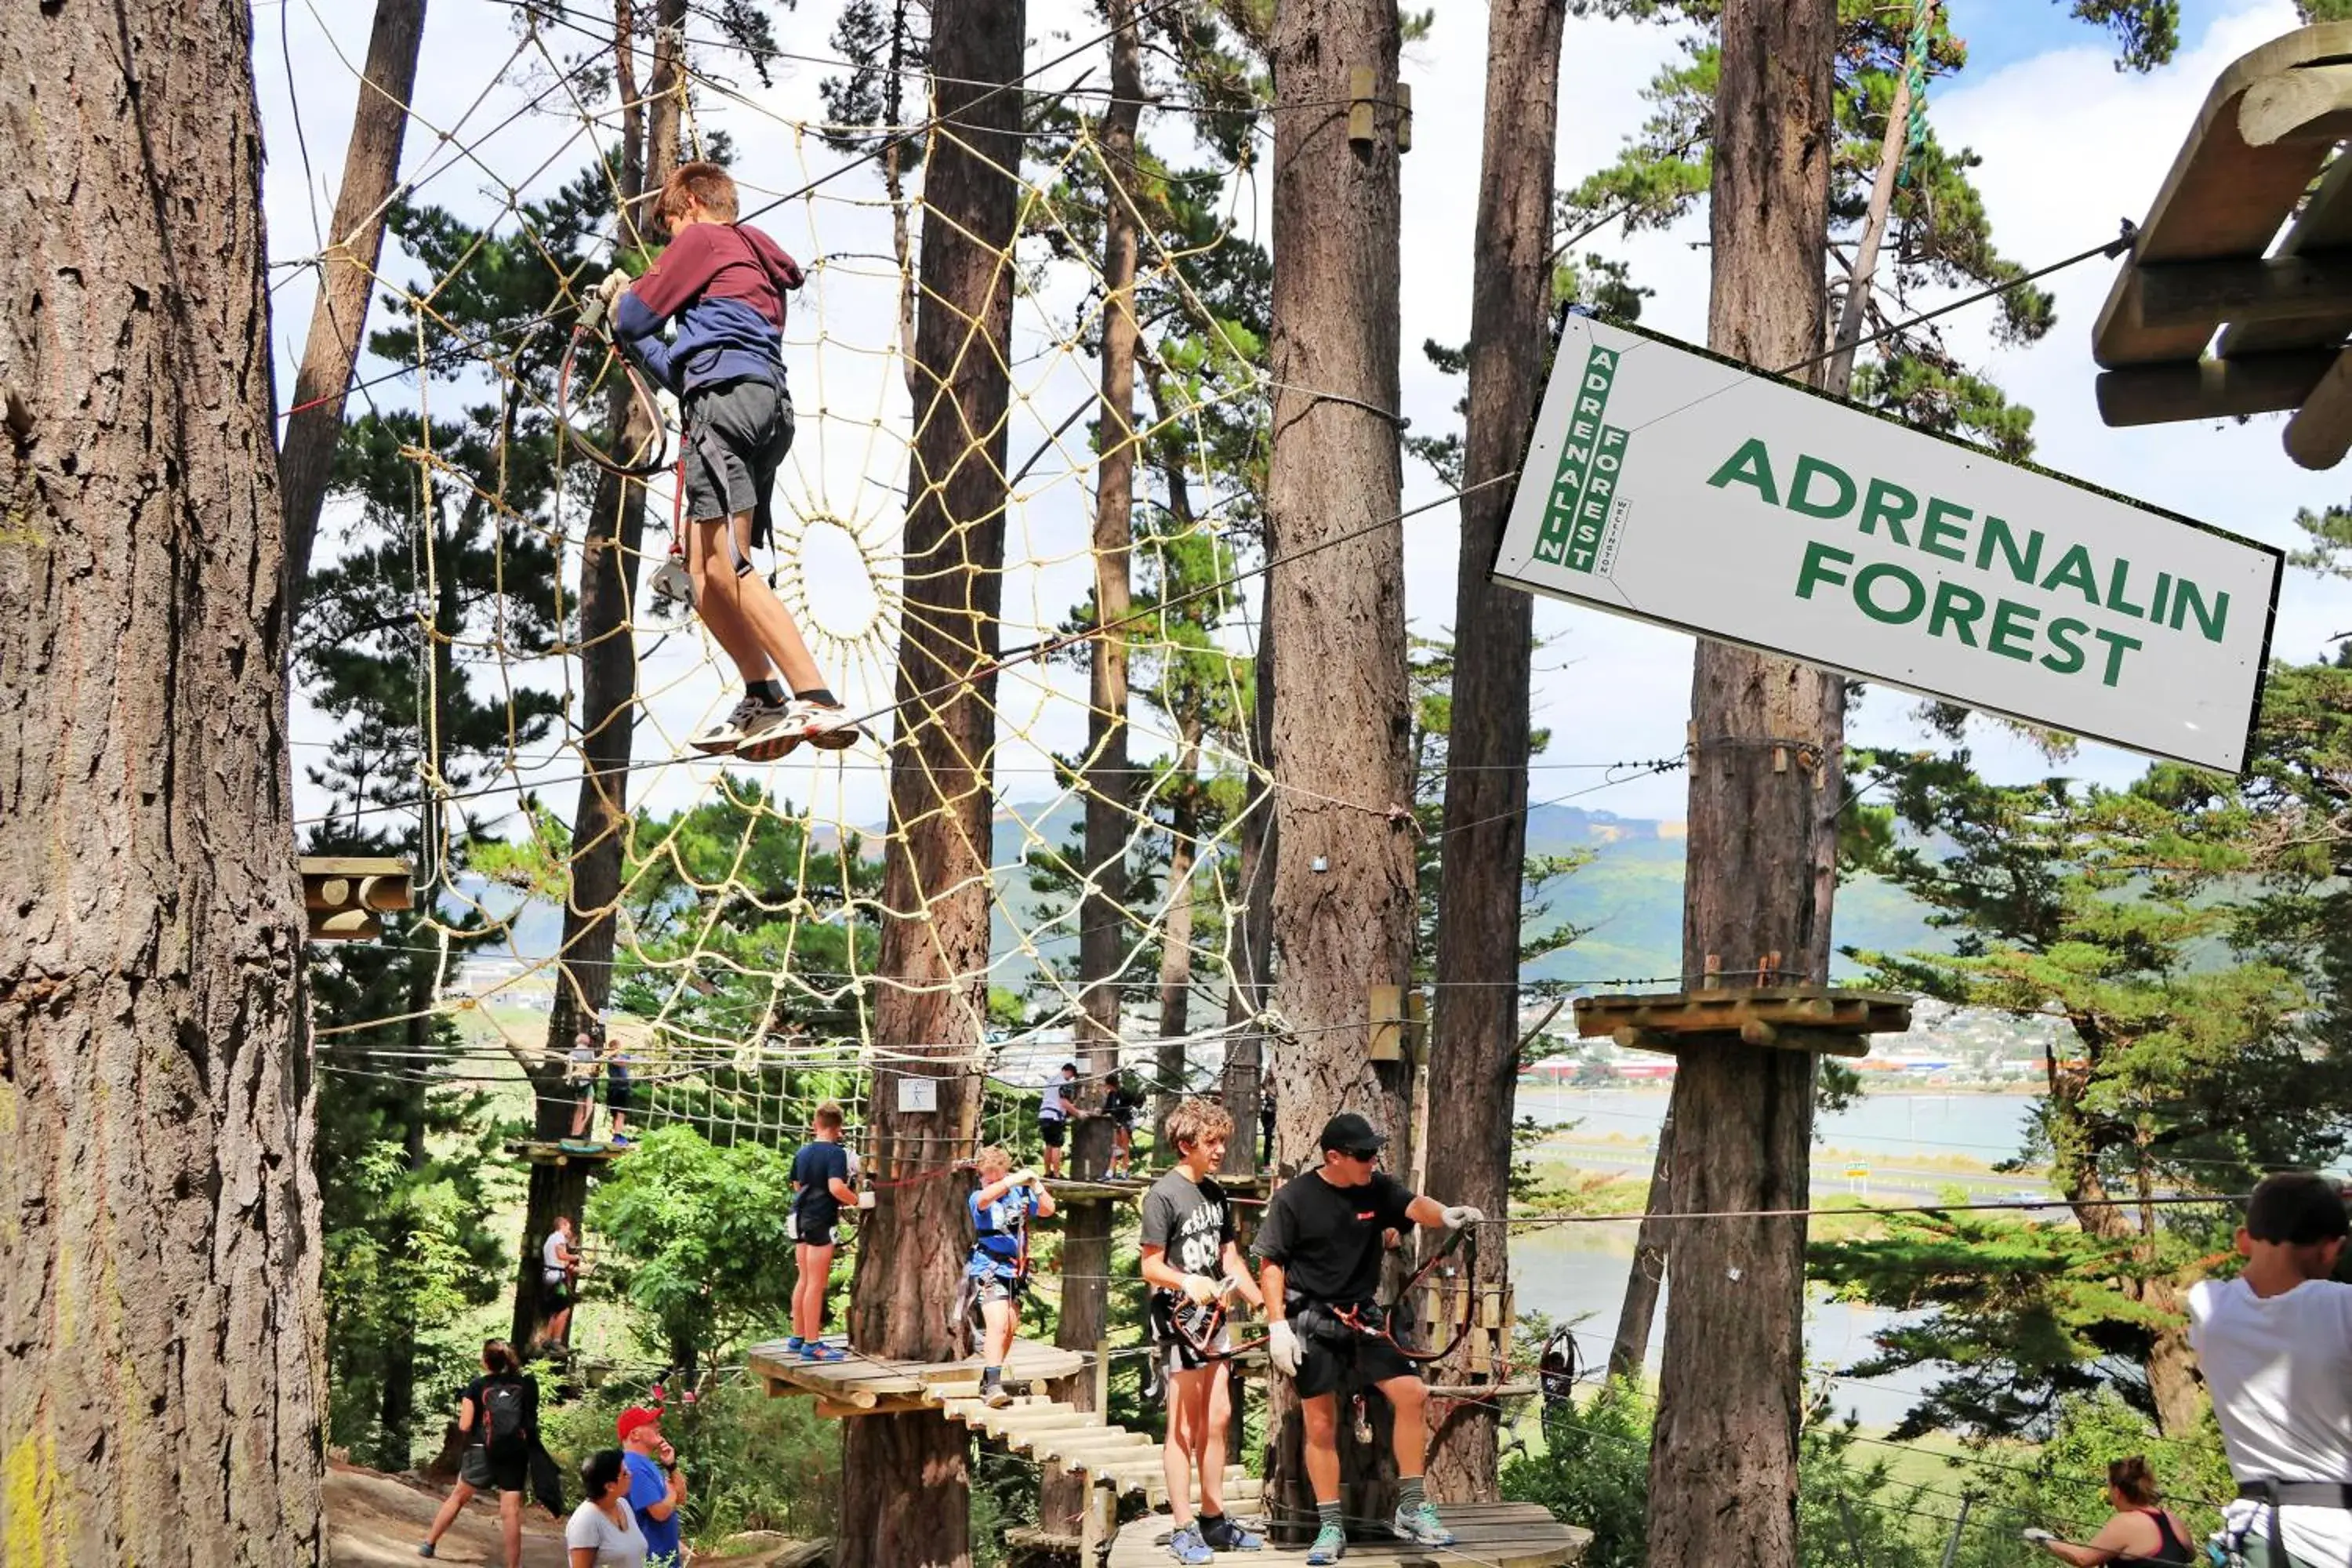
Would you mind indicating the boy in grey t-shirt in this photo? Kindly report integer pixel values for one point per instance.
(1191, 1255)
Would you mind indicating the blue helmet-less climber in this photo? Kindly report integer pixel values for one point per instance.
(724, 283)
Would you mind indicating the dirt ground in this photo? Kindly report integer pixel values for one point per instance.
(374, 1521)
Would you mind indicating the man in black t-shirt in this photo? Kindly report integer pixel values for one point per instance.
(1192, 1261)
(1320, 1247)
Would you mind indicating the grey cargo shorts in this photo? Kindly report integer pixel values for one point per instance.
(736, 436)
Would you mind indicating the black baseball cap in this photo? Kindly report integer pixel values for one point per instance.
(1349, 1131)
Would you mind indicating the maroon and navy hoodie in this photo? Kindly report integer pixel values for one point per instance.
(725, 283)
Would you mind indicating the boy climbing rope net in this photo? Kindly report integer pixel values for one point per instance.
(724, 283)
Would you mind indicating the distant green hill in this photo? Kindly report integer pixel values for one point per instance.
(1630, 897)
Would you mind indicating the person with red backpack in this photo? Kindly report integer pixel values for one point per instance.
(498, 1415)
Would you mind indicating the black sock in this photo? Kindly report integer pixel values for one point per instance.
(766, 690)
(821, 695)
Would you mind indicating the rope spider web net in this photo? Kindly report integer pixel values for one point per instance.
(746, 922)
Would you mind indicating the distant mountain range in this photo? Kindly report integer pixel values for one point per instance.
(1628, 898)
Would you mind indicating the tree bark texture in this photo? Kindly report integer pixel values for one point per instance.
(306, 457)
(1250, 938)
(158, 1257)
(1763, 766)
(1474, 1067)
(1340, 731)
(1631, 1347)
(608, 661)
(1103, 930)
(1173, 1063)
(907, 1495)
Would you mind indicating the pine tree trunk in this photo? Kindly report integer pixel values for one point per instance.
(1250, 938)
(347, 279)
(608, 677)
(159, 1263)
(1631, 1347)
(1176, 939)
(1103, 936)
(907, 1487)
(1340, 731)
(1766, 752)
(1474, 1067)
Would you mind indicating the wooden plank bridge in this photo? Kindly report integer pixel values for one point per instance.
(1493, 1535)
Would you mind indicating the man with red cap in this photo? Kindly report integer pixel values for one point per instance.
(656, 1483)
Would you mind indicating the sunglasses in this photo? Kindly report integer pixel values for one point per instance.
(1367, 1155)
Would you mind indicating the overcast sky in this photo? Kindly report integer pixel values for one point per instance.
(2069, 145)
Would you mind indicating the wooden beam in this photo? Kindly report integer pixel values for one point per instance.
(2210, 388)
(345, 894)
(2321, 431)
(2308, 103)
(2208, 293)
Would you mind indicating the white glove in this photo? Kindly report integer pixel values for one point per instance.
(1200, 1288)
(2036, 1535)
(1022, 1178)
(792, 1225)
(596, 309)
(1461, 1214)
(1282, 1349)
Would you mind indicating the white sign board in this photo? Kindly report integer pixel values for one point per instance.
(1674, 487)
(918, 1094)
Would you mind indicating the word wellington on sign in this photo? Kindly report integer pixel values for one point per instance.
(1674, 486)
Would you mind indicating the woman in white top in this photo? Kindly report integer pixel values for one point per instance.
(604, 1530)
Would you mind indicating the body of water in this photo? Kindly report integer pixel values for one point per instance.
(1576, 1273)
(1982, 1127)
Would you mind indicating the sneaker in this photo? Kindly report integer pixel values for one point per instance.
(995, 1397)
(794, 1345)
(751, 720)
(818, 1350)
(1223, 1536)
(1186, 1546)
(1331, 1545)
(1421, 1525)
(424, 1549)
(828, 728)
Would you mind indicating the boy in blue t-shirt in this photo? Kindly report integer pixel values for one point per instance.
(821, 1190)
(1000, 1210)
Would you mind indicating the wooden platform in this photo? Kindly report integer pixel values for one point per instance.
(540, 1152)
(2209, 256)
(1070, 1190)
(1494, 1535)
(863, 1385)
(1830, 1020)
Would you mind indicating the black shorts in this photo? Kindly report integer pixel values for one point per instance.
(736, 434)
(809, 1234)
(1053, 1129)
(555, 1297)
(507, 1471)
(1325, 1363)
(620, 1096)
